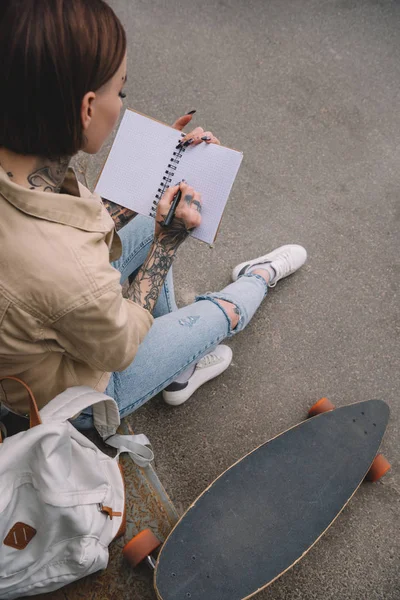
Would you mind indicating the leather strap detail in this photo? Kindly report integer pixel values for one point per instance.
(19, 536)
(109, 511)
(34, 417)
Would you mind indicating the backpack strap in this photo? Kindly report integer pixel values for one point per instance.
(105, 416)
(74, 400)
(135, 445)
(106, 420)
(34, 416)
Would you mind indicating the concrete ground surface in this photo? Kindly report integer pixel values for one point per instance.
(309, 91)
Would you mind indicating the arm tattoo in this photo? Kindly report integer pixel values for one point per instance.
(146, 286)
(175, 234)
(49, 176)
(120, 214)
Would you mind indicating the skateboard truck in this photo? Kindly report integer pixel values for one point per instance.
(151, 562)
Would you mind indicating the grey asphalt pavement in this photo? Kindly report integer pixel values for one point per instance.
(309, 91)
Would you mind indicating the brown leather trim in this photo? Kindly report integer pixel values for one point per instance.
(122, 528)
(110, 512)
(34, 411)
(19, 536)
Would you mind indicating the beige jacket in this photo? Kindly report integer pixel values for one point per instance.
(63, 320)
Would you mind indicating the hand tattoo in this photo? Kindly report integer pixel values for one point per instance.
(197, 204)
(174, 235)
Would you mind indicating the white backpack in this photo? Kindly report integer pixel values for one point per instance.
(62, 500)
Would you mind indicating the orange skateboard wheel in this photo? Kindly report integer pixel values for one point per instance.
(378, 469)
(140, 546)
(323, 405)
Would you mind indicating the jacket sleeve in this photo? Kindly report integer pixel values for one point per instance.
(104, 332)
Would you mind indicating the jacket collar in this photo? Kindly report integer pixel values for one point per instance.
(74, 205)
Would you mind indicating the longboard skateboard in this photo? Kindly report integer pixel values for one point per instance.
(263, 514)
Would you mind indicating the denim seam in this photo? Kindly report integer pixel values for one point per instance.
(168, 296)
(171, 378)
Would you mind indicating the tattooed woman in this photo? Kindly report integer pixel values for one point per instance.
(63, 318)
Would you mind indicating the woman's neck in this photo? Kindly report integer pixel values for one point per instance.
(34, 172)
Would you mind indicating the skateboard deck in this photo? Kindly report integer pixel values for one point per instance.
(264, 513)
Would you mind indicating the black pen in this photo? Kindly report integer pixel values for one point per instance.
(171, 212)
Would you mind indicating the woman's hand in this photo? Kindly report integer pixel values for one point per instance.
(197, 134)
(146, 286)
(187, 215)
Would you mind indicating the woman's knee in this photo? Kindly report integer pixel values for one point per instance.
(231, 310)
(234, 312)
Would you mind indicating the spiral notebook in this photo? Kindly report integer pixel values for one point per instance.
(144, 161)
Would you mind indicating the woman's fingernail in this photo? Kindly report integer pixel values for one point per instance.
(206, 138)
(188, 142)
(191, 112)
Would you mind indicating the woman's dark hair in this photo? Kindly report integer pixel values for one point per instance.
(52, 53)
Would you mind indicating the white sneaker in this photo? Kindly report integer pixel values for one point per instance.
(208, 367)
(284, 260)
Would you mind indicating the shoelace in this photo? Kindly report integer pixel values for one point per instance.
(208, 360)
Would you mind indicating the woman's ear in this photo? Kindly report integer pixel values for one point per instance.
(87, 109)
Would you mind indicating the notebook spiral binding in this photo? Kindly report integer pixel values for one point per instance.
(166, 180)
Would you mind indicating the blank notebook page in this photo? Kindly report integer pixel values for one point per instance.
(211, 170)
(141, 154)
(137, 162)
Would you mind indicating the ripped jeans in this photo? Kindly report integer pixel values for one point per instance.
(178, 337)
